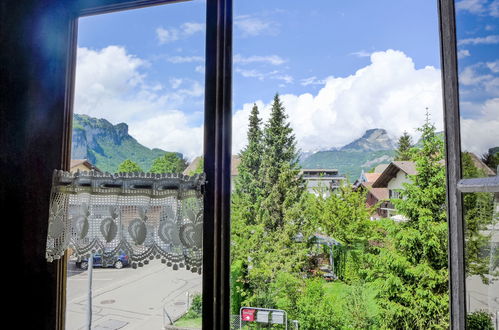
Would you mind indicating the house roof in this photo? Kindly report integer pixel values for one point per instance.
(84, 162)
(379, 193)
(192, 166)
(380, 168)
(480, 164)
(391, 171)
(371, 177)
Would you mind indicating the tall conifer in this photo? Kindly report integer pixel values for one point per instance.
(411, 269)
(248, 182)
(281, 184)
(404, 146)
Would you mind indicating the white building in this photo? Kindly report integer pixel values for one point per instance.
(327, 180)
(393, 178)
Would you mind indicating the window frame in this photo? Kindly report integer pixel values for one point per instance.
(217, 150)
(61, 16)
(217, 153)
(450, 91)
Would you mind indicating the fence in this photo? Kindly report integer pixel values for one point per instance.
(235, 324)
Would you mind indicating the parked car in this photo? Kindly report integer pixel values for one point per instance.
(119, 262)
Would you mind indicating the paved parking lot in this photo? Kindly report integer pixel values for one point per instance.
(129, 298)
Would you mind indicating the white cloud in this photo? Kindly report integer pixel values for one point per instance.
(200, 69)
(473, 6)
(470, 77)
(312, 81)
(481, 133)
(462, 53)
(480, 77)
(270, 59)
(389, 93)
(110, 84)
(273, 75)
(488, 40)
(190, 28)
(251, 26)
(361, 53)
(185, 59)
(172, 131)
(479, 7)
(176, 82)
(164, 36)
(493, 66)
(173, 34)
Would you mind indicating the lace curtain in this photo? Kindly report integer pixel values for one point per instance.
(145, 216)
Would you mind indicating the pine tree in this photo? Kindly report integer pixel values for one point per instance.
(264, 208)
(282, 186)
(247, 185)
(491, 158)
(411, 267)
(404, 144)
(128, 166)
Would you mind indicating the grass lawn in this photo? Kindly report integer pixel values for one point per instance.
(189, 323)
(339, 291)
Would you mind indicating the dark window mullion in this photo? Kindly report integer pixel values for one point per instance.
(218, 121)
(457, 283)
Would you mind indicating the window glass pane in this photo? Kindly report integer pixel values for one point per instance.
(477, 28)
(138, 107)
(481, 216)
(338, 201)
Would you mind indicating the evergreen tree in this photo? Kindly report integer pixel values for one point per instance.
(282, 186)
(491, 158)
(247, 184)
(128, 166)
(404, 144)
(265, 216)
(170, 162)
(411, 266)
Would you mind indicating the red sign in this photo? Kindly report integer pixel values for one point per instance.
(248, 315)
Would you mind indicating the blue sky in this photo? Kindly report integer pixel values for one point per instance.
(477, 25)
(340, 67)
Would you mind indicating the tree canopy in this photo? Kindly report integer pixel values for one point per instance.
(170, 162)
(129, 166)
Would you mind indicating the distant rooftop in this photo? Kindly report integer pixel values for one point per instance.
(77, 162)
(391, 171)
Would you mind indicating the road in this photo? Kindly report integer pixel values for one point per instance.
(129, 298)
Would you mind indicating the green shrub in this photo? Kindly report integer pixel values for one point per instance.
(236, 273)
(479, 320)
(196, 308)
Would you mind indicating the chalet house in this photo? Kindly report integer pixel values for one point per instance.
(374, 195)
(82, 165)
(392, 179)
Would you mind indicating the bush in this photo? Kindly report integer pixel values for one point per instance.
(479, 320)
(196, 308)
(236, 274)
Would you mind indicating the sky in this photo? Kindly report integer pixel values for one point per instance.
(340, 68)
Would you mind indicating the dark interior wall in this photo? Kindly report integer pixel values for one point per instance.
(33, 57)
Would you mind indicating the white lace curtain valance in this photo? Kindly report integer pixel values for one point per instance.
(143, 215)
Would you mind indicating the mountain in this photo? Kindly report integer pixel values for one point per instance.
(375, 139)
(371, 149)
(106, 145)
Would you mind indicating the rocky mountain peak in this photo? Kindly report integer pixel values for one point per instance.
(373, 140)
